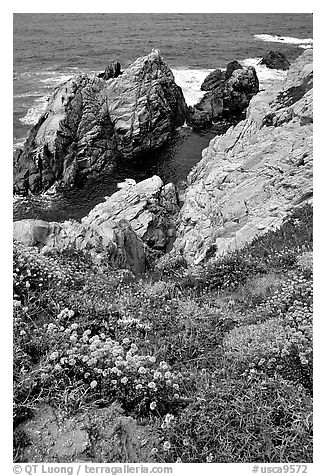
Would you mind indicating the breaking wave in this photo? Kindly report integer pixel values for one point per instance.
(301, 42)
(190, 81)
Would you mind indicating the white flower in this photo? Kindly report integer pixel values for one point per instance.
(124, 380)
(114, 382)
(142, 370)
(209, 458)
(152, 406)
(168, 418)
(74, 326)
(152, 385)
(126, 341)
(176, 386)
(163, 365)
(166, 446)
(54, 356)
(93, 383)
(157, 375)
(167, 375)
(139, 386)
(152, 359)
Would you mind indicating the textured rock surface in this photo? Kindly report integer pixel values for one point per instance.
(149, 206)
(251, 178)
(90, 123)
(216, 77)
(275, 60)
(99, 435)
(115, 229)
(229, 95)
(115, 241)
(213, 80)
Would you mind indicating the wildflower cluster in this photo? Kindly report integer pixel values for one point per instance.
(33, 272)
(111, 369)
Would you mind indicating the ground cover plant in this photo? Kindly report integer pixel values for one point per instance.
(204, 364)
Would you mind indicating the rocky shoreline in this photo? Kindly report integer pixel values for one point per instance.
(247, 182)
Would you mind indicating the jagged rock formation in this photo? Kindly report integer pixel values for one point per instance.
(113, 70)
(252, 177)
(229, 94)
(90, 123)
(275, 60)
(117, 228)
(216, 77)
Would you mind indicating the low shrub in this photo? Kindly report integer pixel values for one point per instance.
(251, 420)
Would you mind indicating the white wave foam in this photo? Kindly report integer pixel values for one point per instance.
(54, 81)
(35, 112)
(28, 95)
(190, 81)
(284, 39)
(265, 75)
(305, 47)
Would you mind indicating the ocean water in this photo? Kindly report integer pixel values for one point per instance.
(51, 48)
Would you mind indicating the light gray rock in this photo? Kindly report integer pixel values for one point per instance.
(251, 178)
(114, 241)
(116, 229)
(149, 206)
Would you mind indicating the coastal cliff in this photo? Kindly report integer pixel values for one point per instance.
(117, 230)
(250, 179)
(91, 123)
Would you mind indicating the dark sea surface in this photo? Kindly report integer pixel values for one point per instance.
(51, 48)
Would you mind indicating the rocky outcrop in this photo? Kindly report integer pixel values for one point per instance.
(275, 60)
(217, 77)
(113, 70)
(250, 179)
(90, 123)
(116, 229)
(229, 94)
(112, 241)
(214, 78)
(149, 206)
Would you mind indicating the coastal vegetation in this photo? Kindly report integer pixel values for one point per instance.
(206, 363)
